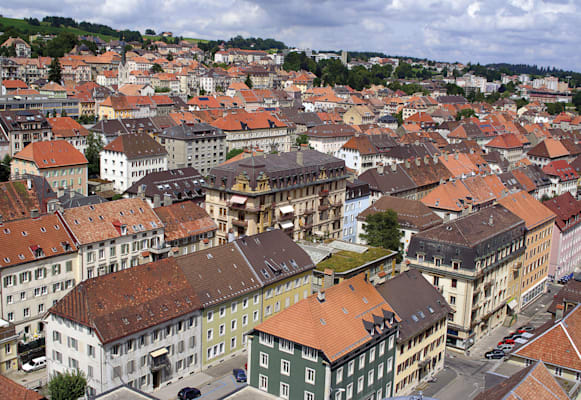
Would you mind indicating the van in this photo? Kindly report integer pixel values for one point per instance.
(34, 364)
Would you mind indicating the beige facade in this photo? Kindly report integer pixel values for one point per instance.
(8, 348)
(73, 177)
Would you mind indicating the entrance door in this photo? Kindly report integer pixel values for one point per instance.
(156, 379)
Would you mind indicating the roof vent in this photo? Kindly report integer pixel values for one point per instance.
(321, 296)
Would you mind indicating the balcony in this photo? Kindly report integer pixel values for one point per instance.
(159, 248)
(159, 359)
(324, 193)
(240, 222)
(308, 211)
(336, 204)
(323, 207)
(286, 217)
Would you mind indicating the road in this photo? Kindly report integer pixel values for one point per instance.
(463, 375)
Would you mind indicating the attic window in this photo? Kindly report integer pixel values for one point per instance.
(415, 318)
(365, 300)
(125, 321)
(24, 233)
(42, 229)
(101, 218)
(121, 213)
(6, 260)
(56, 227)
(210, 256)
(6, 231)
(422, 314)
(345, 310)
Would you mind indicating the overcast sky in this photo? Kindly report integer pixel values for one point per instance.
(543, 32)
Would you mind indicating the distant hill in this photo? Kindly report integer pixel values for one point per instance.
(25, 28)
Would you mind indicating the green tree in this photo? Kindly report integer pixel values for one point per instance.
(555, 108)
(453, 89)
(5, 168)
(233, 153)
(67, 386)
(404, 70)
(54, 71)
(382, 230)
(302, 139)
(577, 100)
(156, 68)
(248, 82)
(521, 102)
(465, 113)
(169, 57)
(92, 153)
(150, 32)
(399, 117)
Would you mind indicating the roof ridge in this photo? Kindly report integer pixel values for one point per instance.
(511, 392)
(543, 385)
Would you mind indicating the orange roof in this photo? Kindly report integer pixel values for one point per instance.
(334, 326)
(53, 154)
(12, 390)
(529, 209)
(184, 219)
(508, 141)
(53, 87)
(66, 127)
(14, 84)
(239, 120)
(238, 86)
(495, 185)
(204, 102)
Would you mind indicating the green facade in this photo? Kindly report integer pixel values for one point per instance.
(328, 383)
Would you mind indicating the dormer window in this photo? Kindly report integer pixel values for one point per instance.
(420, 258)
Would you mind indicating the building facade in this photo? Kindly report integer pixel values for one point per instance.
(357, 199)
(22, 127)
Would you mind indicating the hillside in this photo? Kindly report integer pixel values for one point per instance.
(27, 29)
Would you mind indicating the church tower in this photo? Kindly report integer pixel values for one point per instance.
(123, 70)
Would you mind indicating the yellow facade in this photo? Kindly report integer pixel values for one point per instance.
(70, 177)
(108, 112)
(8, 350)
(283, 294)
(536, 262)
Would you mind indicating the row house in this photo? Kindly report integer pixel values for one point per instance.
(32, 69)
(195, 313)
(8, 352)
(563, 178)
(75, 70)
(301, 192)
(68, 129)
(473, 262)
(357, 199)
(20, 128)
(508, 145)
(329, 138)
(39, 265)
(547, 151)
(364, 152)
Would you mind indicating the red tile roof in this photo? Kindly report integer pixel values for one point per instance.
(241, 119)
(67, 127)
(561, 169)
(529, 209)
(508, 141)
(567, 209)
(53, 154)
(14, 84)
(184, 219)
(10, 390)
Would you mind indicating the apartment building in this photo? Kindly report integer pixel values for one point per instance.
(421, 343)
(19, 128)
(200, 146)
(58, 161)
(114, 236)
(130, 157)
(336, 344)
(39, 265)
(471, 261)
(328, 138)
(534, 274)
(357, 199)
(301, 192)
(8, 348)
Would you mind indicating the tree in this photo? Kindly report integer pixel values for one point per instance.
(92, 153)
(465, 113)
(302, 139)
(67, 386)
(248, 82)
(577, 101)
(399, 117)
(169, 57)
(150, 32)
(521, 102)
(5, 168)
(555, 108)
(382, 230)
(233, 153)
(54, 71)
(453, 89)
(156, 68)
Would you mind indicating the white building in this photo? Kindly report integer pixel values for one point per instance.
(38, 266)
(329, 138)
(119, 334)
(130, 157)
(114, 236)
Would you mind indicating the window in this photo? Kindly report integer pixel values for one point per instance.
(339, 376)
(245, 303)
(388, 389)
(266, 339)
(370, 377)
(389, 364)
(234, 306)
(349, 394)
(360, 383)
(391, 342)
(255, 316)
(233, 324)
(372, 355)
(309, 353)
(263, 382)
(210, 334)
(558, 371)
(56, 336)
(454, 283)
(256, 299)
(452, 300)
(222, 311)
(309, 396)
(9, 299)
(263, 360)
(381, 348)
(350, 367)
(284, 390)
(310, 376)
(222, 330)
(285, 367)
(26, 312)
(233, 343)
(90, 351)
(210, 316)
(245, 320)
(286, 345)
(74, 364)
(380, 371)
(361, 361)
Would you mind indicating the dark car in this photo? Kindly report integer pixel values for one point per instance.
(524, 329)
(239, 375)
(188, 393)
(494, 354)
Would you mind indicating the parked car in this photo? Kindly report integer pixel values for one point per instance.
(494, 354)
(239, 375)
(505, 347)
(189, 393)
(34, 364)
(525, 328)
(506, 341)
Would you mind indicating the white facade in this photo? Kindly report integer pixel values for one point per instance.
(129, 360)
(117, 168)
(328, 145)
(266, 139)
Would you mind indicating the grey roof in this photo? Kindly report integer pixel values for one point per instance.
(180, 184)
(415, 301)
(331, 130)
(410, 213)
(407, 151)
(72, 199)
(452, 100)
(390, 181)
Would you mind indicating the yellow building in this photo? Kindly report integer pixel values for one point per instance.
(8, 348)
(116, 107)
(58, 161)
(530, 280)
(282, 294)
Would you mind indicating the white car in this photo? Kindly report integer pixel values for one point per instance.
(34, 364)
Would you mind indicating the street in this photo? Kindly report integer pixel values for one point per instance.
(463, 375)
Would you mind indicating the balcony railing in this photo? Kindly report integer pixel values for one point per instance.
(286, 217)
(324, 193)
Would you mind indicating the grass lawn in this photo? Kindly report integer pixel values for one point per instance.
(345, 260)
(44, 27)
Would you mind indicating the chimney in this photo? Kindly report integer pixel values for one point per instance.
(455, 155)
(167, 199)
(418, 162)
(394, 167)
(491, 220)
(435, 159)
(559, 311)
(321, 296)
(141, 191)
(34, 213)
(426, 159)
(328, 278)
(380, 168)
(156, 201)
(300, 158)
(71, 193)
(29, 184)
(407, 163)
(446, 156)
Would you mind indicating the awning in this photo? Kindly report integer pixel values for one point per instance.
(158, 353)
(286, 209)
(287, 225)
(512, 304)
(238, 199)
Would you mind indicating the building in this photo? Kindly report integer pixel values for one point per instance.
(563, 178)
(20, 128)
(546, 151)
(19, 197)
(58, 161)
(471, 260)
(359, 115)
(117, 331)
(508, 145)
(200, 146)
(70, 130)
(8, 348)
(534, 381)
(130, 157)
(566, 240)
(328, 138)
(301, 192)
(421, 343)
(21, 48)
(340, 341)
(173, 185)
(533, 275)
(412, 216)
(261, 130)
(39, 265)
(114, 236)
(364, 152)
(357, 199)
(188, 227)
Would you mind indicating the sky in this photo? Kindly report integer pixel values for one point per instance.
(542, 32)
